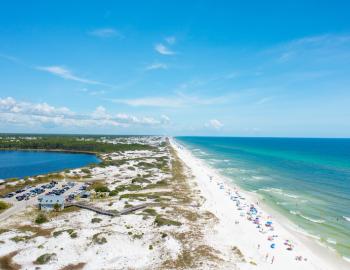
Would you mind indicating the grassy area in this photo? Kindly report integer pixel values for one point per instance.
(71, 232)
(161, 221)
(4, 206)
(121, 188)
(36, 230)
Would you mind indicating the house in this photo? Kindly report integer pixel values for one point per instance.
(50, 202)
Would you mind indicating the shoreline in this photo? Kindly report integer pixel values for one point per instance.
(318, 257)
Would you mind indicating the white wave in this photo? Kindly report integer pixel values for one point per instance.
(276, 190)
(309, 234)
(326, 246)
(294, 212)
(313, 220)
(346, 218)
(291, 195)
(280, 192)
(346, 259)
(331, 241)
(281, 203)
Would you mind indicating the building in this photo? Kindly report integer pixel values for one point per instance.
(50, 202)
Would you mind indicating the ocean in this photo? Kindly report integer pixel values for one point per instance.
(30, 163)
(306, 180)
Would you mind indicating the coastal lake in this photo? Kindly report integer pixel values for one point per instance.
(30, 163)
(306, 180)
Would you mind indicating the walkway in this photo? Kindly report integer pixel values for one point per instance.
(106, 212)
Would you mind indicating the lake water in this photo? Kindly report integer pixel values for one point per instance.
(30, 163)
(306, 180)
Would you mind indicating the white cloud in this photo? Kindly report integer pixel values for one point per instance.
(165, 119)
(170, 40)
(151, 102)
(10, 58)
(66, 74)
(286, 56)
(263, 100)
(319, 48)
(157, 66)
(42, 114)
(214, 123)
(179, 100)
(160, 48)
(105, 33)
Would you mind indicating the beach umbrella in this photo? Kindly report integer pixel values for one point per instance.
(273, 245)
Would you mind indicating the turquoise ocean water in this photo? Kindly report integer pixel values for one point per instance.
(306, 180)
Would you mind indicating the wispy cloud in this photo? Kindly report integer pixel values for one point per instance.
(317, 47)
(157, 66)
(15, 112)
(162, 49)
(263, 100)
(106, 33)
(66, 74)
(176, 101)
(151, 102)
(170, 40)
(214, 123)
(10, 58)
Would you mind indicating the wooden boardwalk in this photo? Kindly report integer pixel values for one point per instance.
(106, 212)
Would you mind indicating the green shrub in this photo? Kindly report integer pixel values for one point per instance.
(101, 188)
(96, 220)
(3, 205)
(150, 211)
(45, 258)
(86, 170)
(71, 233)
(41, 218)
(20, 238)
(160, 221)
(113, 193)
(98, 239)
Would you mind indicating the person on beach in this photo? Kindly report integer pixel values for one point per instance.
(273, 259)
(267, 256)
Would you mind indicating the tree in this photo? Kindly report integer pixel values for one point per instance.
(57, 207)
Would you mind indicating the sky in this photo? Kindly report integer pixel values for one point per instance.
(212, 68)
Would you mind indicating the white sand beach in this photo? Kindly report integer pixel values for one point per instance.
(242, 223)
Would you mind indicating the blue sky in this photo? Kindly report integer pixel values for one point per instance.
(228, 68)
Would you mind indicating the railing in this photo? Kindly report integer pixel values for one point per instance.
(106, 212)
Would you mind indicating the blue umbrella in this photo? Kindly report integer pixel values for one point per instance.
(273, 245)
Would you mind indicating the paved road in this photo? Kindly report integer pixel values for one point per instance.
(19, 206)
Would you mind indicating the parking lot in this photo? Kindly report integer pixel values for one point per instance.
(30, 195)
